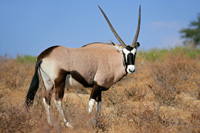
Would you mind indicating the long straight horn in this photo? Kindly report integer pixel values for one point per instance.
(113, 30)
(138, 28)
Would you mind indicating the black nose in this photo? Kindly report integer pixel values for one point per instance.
(132, 71)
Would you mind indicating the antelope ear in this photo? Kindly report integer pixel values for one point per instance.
(137, 45)
(117, 47)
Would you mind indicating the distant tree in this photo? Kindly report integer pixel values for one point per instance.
(192, 34)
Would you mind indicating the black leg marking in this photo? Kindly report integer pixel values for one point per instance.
(60, 84)
(96, 93)
(59, 87)
(47, 96)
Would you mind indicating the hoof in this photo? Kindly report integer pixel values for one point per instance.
(68, 125)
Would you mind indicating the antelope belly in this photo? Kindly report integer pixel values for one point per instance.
(71, 82)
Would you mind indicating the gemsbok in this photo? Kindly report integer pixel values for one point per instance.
(96, 65)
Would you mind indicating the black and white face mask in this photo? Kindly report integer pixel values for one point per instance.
(129, 58)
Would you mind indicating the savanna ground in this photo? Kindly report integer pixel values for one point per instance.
(163, 95)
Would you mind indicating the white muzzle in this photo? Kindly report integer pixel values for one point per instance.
(131, 68)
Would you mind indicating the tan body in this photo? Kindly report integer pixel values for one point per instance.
(103, 68)
(96, 65)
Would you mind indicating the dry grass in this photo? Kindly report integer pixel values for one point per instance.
(162, 96)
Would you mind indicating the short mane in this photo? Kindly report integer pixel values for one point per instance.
(95, 43)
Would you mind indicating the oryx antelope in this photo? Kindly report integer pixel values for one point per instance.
(96, 65)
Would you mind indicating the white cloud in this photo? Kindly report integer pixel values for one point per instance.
(162, 34)
(163, 25)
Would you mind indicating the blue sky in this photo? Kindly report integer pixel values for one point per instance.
(31, 26)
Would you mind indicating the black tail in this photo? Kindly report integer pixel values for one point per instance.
(33, 86)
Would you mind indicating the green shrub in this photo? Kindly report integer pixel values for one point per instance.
(160, 54)
(26, 59)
